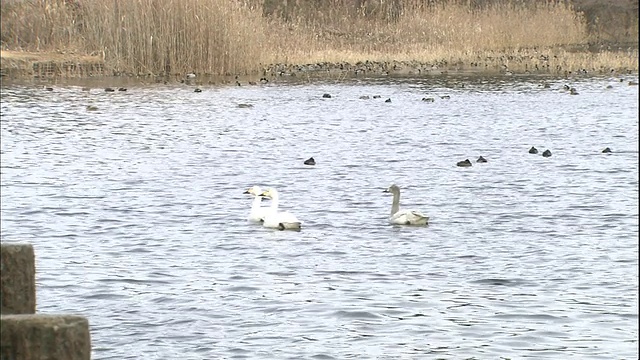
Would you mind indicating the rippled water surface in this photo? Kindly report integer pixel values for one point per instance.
(138, 218)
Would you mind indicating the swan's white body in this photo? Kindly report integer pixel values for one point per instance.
(257, 212)
(404, 217)
(279, 220)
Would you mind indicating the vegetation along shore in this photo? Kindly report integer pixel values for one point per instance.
(163, 40)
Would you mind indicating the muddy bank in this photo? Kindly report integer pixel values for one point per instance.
(566, 61)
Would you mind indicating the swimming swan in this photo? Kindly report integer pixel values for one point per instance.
(278, 220)
(404, 217)
(257, 212)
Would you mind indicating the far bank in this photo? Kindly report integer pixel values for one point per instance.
(225, 38)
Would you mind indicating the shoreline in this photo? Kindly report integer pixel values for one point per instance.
(19, 67)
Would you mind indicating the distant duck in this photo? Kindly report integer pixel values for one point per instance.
(197, 90)
(388, 100)
(573, 91)
(48, 88)
(481, 160)
(533, 150)
(86, 89)
(609, 86)
(428, 99)
(92, 108)
(122, 89)
(191, 76)
(263, 80)
(546, 153)
(606, 151)
(445, 97)
(632, 83)
(364, 97)
(465, 163)
(326, 96)
(377, 96)
(310, 161)
(566, 87)
(109, 89)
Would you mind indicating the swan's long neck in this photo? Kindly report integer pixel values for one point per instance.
(274, 201)
(396, 203)
(257, 200)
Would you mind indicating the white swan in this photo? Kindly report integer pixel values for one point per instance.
(404, 217)
(257, 212)
(279, 220)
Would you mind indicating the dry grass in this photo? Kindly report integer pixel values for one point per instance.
(221, 37)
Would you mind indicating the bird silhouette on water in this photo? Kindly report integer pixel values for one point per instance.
(310, 161)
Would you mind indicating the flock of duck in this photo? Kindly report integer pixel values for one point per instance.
(533, 150)
(272, 217)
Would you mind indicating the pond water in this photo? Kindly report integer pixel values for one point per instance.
(138, 218)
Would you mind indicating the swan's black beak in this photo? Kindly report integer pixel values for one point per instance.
(246, 192)
(385, 191)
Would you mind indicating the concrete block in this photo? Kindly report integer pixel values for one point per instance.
(44, 337)
(17, 279)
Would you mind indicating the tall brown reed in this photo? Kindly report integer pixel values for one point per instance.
(234, 37)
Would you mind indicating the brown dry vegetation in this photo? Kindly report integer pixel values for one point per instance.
(240, 36)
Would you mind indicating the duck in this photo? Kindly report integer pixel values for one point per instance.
(481, 160)
(388, 100)
(533, 150)
(547, 153)
(326, 96)
(310, 161)
(404, 217)
(465, 163)
(258, 212)
(606, 150)
(278, 220)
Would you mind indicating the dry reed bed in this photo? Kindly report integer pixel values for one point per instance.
(222, 37)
